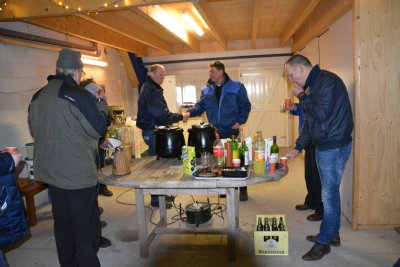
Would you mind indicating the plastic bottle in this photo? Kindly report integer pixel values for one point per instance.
(218, 152)
(228, 148)
(259, 155)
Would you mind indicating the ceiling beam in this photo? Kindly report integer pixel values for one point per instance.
(256, 18)
(187, 39)
(22, 9)
(304, 9)
(206, 13)
(81, 28)
(123, 55)
(114, 22)
(323, 16)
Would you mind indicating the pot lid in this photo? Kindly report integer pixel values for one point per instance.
(168, 128)
(203, 125)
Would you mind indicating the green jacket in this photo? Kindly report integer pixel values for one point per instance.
(66, 122)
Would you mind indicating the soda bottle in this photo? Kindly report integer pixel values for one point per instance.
(275, 150)
(244, 155)
(218, 151)
(259, 155)
(235, 148)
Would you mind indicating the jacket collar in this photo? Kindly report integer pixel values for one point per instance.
(66, 78)
(226, 79)
(154, 84)
(312, 77)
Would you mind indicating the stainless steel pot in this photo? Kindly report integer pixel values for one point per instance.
(202, 137)
(168, 142)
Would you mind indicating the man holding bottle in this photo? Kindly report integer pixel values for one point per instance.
(226, 103)
(329, 126)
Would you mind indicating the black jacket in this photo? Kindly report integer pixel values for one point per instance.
(328, 116)
(152, 107)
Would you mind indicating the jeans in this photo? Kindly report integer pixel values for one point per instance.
(331, 164)
(148, 137)
(3, 262)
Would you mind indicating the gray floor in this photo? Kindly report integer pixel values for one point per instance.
(359, 248)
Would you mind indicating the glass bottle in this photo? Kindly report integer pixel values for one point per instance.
(259, 155)
(240, 137)
(260, 226)
(244, 155)
(235, 148)
(218, 151)
(274, 226)
(281, 226)
(275, 150)
(266, 224)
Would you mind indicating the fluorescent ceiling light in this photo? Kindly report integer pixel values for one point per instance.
(251, 74)
(192, 24)
(93, 61)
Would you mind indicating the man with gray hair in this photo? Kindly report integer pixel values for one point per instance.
(66, 122)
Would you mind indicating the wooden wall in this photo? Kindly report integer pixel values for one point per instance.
(376, 25)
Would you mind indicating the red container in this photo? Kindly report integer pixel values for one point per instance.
(287, 102)
(283, 163)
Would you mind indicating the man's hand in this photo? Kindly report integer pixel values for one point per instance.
(236, 126)
(16, 157)
(292, 155)
(186, 116)
(292, 106)
(297, 90)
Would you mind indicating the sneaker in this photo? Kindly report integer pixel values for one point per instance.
(103, 190)
(104, 242)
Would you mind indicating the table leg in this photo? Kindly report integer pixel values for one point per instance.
(236, 208)
(163, 210)
(230, 210)
(142, 227)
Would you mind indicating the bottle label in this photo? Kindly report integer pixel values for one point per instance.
(218, 151)
(246, 158)
(259, 155)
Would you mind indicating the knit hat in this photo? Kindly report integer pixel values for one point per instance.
(69, 59)
(92, 88)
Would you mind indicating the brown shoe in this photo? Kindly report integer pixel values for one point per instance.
(317, 252)
(335, 241)
(303, 207)
(314, 217)
(243, 196)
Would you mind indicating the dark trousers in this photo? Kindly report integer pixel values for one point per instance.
(76, 226)
(313, 181)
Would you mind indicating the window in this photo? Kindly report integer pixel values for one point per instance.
(189, 94)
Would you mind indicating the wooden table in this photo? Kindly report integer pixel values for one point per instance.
(165, 177)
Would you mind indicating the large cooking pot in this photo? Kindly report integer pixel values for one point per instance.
(168, 142)
(202, 137)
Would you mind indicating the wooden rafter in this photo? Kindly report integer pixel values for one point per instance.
(113, 22)
(206, 13)
(304, 9)
(255, 18)
(79, 27)
(324, 15)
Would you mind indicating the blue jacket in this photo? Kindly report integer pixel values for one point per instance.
(234, 105)
(152, 108)
(13, 224)
(328, 117)
(298, 112)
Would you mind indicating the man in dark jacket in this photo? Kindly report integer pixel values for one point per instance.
(329, 126)
(226, 103)
(66, 122)
(13, 224)
(153, 112)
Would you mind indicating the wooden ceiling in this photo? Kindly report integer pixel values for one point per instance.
(228, 24)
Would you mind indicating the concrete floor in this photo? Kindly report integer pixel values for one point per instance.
(359, 248)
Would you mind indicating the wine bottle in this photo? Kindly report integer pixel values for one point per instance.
(244, 155)
(274, 150)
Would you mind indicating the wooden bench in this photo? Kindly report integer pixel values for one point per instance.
(29, 188)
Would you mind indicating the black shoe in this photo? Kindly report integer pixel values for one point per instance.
(243, 196)
(303, 207)
(168, 205)
(103, 190)
(103, 224)
(222, 196)
(104, 242)
(170, 198)
(335, 241)
(101, 210)
(317, 252)
(315, 217)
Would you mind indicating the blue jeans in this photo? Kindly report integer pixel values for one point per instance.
(3, 262)
(148, 137)
(331, 164)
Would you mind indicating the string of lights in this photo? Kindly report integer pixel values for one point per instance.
(3, 4)
(78, 8)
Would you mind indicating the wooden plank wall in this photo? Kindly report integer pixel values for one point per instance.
(377, 114)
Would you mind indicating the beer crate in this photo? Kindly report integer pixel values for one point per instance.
(269, 241)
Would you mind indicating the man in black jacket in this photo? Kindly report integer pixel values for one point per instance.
(153, 112)
(329, 126)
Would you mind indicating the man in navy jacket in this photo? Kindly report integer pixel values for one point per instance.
(226, 103)
(329, 126)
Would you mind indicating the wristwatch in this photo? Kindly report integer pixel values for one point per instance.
(99, 99)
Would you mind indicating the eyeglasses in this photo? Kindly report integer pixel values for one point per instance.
(83, 73)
